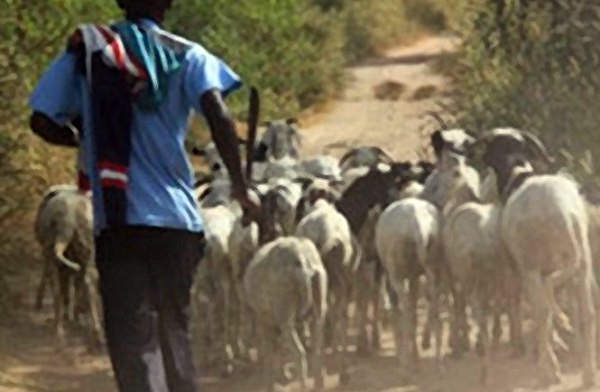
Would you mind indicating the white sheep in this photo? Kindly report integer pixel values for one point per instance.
(481, 271)
(330, 232)
(284, 284)
(219, 222)
(407, 238)
(321, 166)
(63, 228)
(550, 257)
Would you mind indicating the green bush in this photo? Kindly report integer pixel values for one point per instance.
(290, 49)
(532, 65)
(372, 26)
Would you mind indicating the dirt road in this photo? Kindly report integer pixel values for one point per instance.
(30, 360)
(359, 117)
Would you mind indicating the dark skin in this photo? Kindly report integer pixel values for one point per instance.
(222, 130)
(221, 125)
(44, 127)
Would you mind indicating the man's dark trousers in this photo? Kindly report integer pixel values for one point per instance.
(146, 275)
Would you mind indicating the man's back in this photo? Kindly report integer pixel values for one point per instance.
(159, 179)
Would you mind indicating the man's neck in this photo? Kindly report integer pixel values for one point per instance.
(138, 17)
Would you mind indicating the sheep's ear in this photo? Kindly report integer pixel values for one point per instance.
(300, 208)
(267, 124)
(437, 142)
(292, 121)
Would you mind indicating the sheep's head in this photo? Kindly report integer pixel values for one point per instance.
(505, 149)
(380, 185)
(368, 156)
(314, 189)
(377, 188)
(457, 141)
(281, 138)
(268, 228)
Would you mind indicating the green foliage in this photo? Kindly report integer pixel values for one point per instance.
(532, 65)
(288, 48)
(371, 26)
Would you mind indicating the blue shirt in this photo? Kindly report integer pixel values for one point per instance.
(160, 191)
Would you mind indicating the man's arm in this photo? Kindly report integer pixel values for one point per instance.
(222, 129)
(44, 127)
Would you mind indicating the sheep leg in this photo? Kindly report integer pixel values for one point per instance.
(362, 309)
(226, 328)
(459, 333)
(515, 317)
(543, 312)
(301, 364)
(426, 336)
(480, 313)
(70, 297)
(396, 319)
(317, 348)
(39, 298)
(59, 317)
(245, 321)
(379, 300)
(588, 318)
(341, 333)
(92, 298)
(201, 324)
(269, 359)
(497, 325)
(413, 296)
(433, 313)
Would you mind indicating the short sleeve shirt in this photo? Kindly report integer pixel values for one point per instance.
(160, 191)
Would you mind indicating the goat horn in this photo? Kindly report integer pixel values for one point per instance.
(382, 154)
(436, 116)
(536, 146)
(347, 156)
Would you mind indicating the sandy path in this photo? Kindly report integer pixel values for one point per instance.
(360, 118)
(30, 360)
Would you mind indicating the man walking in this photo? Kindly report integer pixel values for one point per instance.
(123, 93)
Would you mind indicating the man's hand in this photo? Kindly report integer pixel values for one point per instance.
(44, 127)
(248, 201)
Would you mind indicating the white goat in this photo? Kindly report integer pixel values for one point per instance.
(63, 228)
(285, 282)
(407, 238)
(330, 232)
(548, 258)
(219, 222)
(481, 272)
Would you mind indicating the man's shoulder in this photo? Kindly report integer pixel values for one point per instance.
(176, 42)
(181, 45)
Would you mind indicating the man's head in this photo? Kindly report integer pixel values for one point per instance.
(152, 9)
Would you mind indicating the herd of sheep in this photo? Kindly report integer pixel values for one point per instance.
(335, 239)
